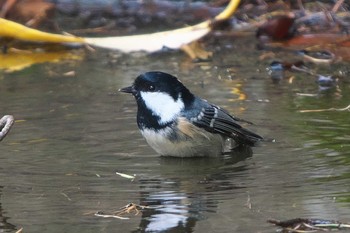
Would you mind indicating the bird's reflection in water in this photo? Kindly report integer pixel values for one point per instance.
(186, 189)
(4, 225)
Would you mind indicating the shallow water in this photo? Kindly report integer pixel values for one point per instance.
(58, 164)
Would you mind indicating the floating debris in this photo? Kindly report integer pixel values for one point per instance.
(318, 57)
(327, 109)
(276, 71)
(101, 214)
(127, 209)
(306, 94)
(307, 225)
(132, 177)
(326, 82)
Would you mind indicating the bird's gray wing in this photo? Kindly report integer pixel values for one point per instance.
(216, 120)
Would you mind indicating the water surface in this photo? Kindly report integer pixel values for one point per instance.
(58, 164)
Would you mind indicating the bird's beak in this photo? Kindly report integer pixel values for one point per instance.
(130, 90)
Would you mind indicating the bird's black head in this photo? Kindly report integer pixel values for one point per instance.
(160, 98)
(156, 81)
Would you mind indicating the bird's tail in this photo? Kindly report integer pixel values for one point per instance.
(246, 137)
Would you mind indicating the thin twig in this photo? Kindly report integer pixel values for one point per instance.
(337, 5)
(314, 227)
(248, 203)
(6, 7)
(305, 225)
(100, 214)
(301, 6)
(95, 30)
(327, 109)
(127, 209)
(298, 231)
(66, 196)
(334, 225)
(295, 68)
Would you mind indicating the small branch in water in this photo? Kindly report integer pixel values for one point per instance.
(103, 215)
(248, 203)
(127, 209)
(66, 196)
(6, 123)
(309, 225)
(126, 176)
(327, 109)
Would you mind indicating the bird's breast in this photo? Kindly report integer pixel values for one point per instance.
(184, 142)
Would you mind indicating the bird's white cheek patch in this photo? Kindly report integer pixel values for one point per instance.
(163, 105)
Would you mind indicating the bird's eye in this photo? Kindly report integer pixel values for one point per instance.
(151, 88)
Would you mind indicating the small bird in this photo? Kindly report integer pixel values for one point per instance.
(177, 123)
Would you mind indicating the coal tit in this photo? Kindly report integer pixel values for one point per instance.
(177, 123)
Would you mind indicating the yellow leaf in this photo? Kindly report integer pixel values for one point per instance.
(229, 10)
(152, 42)
(18, 31)
(173, 39)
